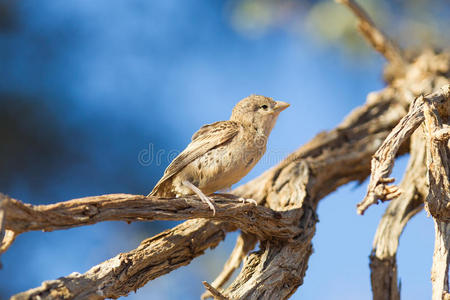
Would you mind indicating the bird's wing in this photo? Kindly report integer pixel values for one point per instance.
(206, 138)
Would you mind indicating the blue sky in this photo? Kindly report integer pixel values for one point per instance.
(124, 75)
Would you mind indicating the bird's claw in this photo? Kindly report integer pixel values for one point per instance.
(201, 195)
(209, 201)
(244, 200)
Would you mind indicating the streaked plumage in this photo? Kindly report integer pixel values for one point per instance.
(221, 153)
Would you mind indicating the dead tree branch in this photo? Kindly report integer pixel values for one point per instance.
(441, 261)
(244, 244)
(383, 160)
(214, 292)
(374, 36)
(129, 271)
(438, 200)
(261, 221)
(383, 260)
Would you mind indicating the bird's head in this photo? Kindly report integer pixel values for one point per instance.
(259, 112)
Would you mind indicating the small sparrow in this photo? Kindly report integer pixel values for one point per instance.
(221, 153)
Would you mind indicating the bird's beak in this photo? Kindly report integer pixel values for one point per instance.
(280, 106)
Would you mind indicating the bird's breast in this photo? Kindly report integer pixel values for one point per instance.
(223, 166)
(226, 165)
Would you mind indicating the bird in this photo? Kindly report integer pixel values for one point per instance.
(222, 153)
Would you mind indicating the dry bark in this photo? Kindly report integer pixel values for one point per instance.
(414, 189)
(383, 261)
(441, 261)
(259, 220)
(214, 292)
(129, 271)
(383, 160)
(244, 244)
(438, 200)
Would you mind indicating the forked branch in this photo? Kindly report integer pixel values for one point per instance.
(129, 271)
(383, 259)
(244, 243)
(383, 160)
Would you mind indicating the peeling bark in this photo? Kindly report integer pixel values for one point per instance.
(129, 271)
(244, 244)
(259, 220)
(383, 160)
(383, 260)
(438, 200)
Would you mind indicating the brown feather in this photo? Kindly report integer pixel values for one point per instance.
(206, 138)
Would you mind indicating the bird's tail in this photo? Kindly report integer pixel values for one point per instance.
(162, 189)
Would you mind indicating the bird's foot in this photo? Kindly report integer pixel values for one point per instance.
(210, 202)
(244, 200)
(201, 195)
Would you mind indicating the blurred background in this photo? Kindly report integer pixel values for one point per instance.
(98, 96)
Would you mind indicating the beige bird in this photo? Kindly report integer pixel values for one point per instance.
(221, 153)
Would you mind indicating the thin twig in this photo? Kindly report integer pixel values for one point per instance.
(216, 294)
(244, 243)
(373, 35)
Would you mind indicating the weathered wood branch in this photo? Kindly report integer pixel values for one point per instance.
(425, 74)
(259, 220)
(383, 160)
(214, 292)
(244, 244)
(441, 261)
(375, 36)
(294, 255)
(129, 271)
(438, 199)
(383, 260)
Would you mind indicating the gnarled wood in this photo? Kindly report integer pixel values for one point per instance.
(244, 243)
(259, 220)
(383, 261)
(438, 200)
(129, 271)
(383, 160)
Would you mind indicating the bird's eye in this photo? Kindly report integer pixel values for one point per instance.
(265, 107)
